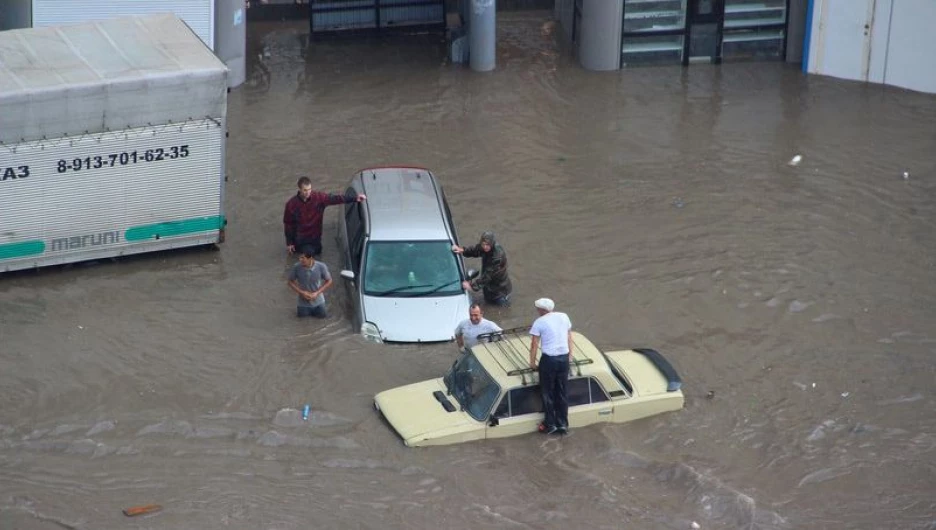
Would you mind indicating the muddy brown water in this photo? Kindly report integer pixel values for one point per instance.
(655, 205)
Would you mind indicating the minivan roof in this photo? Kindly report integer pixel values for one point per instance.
(404, 204)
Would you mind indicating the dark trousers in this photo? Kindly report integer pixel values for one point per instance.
(316, 311)
(503, 300)
(312, 245)
(553, 375)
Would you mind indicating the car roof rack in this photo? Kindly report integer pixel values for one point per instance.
(503, 346)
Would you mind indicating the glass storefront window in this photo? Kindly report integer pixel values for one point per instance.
(654, 15)
(652, 49)
(754, 44)
(748, 13)
(667, 31)
(754, 29)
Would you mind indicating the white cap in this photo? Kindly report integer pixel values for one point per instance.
(545, 304)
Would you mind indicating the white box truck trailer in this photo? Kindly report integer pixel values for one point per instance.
(112, 138)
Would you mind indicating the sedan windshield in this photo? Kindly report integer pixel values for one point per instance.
(472, 387)
(411, 268)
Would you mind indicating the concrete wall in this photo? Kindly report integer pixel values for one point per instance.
(15, 14)
(599, 42)
(231, 38)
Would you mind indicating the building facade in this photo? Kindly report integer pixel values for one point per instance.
(613, 34)
(878, 41)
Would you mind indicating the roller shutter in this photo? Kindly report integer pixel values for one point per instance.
(198, 14)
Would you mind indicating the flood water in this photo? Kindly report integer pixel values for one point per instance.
(655, 205)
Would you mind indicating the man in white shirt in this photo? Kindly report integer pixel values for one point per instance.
(466, 334)
(552, 332)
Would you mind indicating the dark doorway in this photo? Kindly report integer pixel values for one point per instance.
(705, 21)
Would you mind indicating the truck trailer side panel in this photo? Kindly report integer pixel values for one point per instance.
(111, 194)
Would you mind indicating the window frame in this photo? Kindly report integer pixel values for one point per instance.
(508, 398)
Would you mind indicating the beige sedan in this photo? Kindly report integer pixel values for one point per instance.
(491, 392)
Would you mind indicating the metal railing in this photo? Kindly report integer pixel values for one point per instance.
(326, 16)
(510, 349)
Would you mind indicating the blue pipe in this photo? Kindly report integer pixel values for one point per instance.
(808, 36)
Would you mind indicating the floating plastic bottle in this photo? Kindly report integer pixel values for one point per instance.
(305, 412)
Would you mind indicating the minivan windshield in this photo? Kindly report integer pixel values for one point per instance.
(411, 269)
(473, 388)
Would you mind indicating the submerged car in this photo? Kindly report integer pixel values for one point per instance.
(491, 391)
(403, 279)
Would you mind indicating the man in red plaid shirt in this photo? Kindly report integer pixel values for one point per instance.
(302, 218)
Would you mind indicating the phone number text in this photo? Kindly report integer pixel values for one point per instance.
(122, 159)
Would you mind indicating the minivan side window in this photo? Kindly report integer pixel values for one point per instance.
(354, 219)
(448, 216)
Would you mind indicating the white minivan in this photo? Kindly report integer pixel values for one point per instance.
(402, 277)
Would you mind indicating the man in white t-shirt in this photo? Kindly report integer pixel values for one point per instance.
(466, 334)
(552, 332)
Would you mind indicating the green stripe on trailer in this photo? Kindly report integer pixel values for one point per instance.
(174, 228)
(22, 249)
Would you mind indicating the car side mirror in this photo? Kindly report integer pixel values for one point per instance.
(347, 275)
(472, 274)
(494, 422)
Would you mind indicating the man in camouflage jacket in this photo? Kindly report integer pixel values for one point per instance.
(493, 279)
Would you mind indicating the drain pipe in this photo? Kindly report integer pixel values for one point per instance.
(482, 31)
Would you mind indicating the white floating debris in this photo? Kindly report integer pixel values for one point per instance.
(814, 385)
(695, 525)
(906, 175)
(80, 327)
(795, 160)
(796, 306)
(845, 394)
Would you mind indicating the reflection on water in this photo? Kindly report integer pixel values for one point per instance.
(655, 205)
